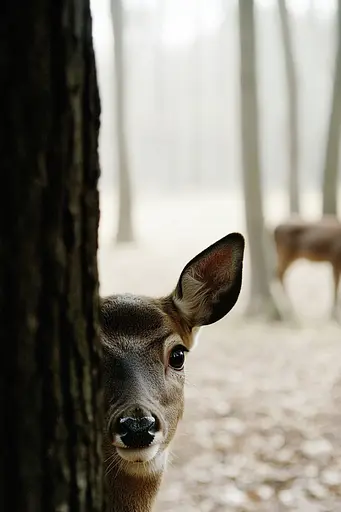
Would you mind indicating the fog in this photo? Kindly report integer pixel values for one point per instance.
(182, 93)
(261, 426)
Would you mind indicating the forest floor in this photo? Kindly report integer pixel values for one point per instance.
(262, 424)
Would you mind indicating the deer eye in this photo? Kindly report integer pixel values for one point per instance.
(177, 357)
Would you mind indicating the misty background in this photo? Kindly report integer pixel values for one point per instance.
(182, 92)
(262, 425)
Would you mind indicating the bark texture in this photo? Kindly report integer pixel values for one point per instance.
(50, 452)
(331, 165)
(261, 301)
(125, 223)
(290, 68)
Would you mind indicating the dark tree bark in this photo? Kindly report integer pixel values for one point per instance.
(51, 415)
(261, 301)
(290, 68)
(331, 164)
(125, 222)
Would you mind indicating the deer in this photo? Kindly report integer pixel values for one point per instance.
(315, 241)
(145, 342)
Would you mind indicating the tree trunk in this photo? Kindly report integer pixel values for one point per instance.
(125, 224)
(261, 301)
(330, 177)
(197, 103)
(293, 108)
(159, 136)
(51, 422)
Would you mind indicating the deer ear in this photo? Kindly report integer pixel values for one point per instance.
(210, 283)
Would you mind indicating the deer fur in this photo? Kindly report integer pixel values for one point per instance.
(140, 337)
(315, 241)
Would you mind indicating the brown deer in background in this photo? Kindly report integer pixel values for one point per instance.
(145, 341)
(316, 241)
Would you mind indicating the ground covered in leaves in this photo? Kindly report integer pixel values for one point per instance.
(262, 427)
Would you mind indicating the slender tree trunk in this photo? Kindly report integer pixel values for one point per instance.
(51, 457)
(261, 301)
(125, 223)
(197, 101)
(330, 175)
(293, 108)
(160, 148)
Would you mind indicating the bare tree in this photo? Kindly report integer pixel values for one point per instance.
(159, 88)
(125, 223)
(197, 100)
(330, 177)
(261, 301)
(51, 456)
(293, 107)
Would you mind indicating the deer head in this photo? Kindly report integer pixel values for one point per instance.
(145, 344)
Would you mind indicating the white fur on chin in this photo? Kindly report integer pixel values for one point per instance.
(138, 455)
(143, 462)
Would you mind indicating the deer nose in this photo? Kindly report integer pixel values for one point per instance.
(137, 432)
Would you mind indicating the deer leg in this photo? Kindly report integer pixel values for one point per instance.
(282, 267)
(282, 296)
(280, 275)
(336, 277)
